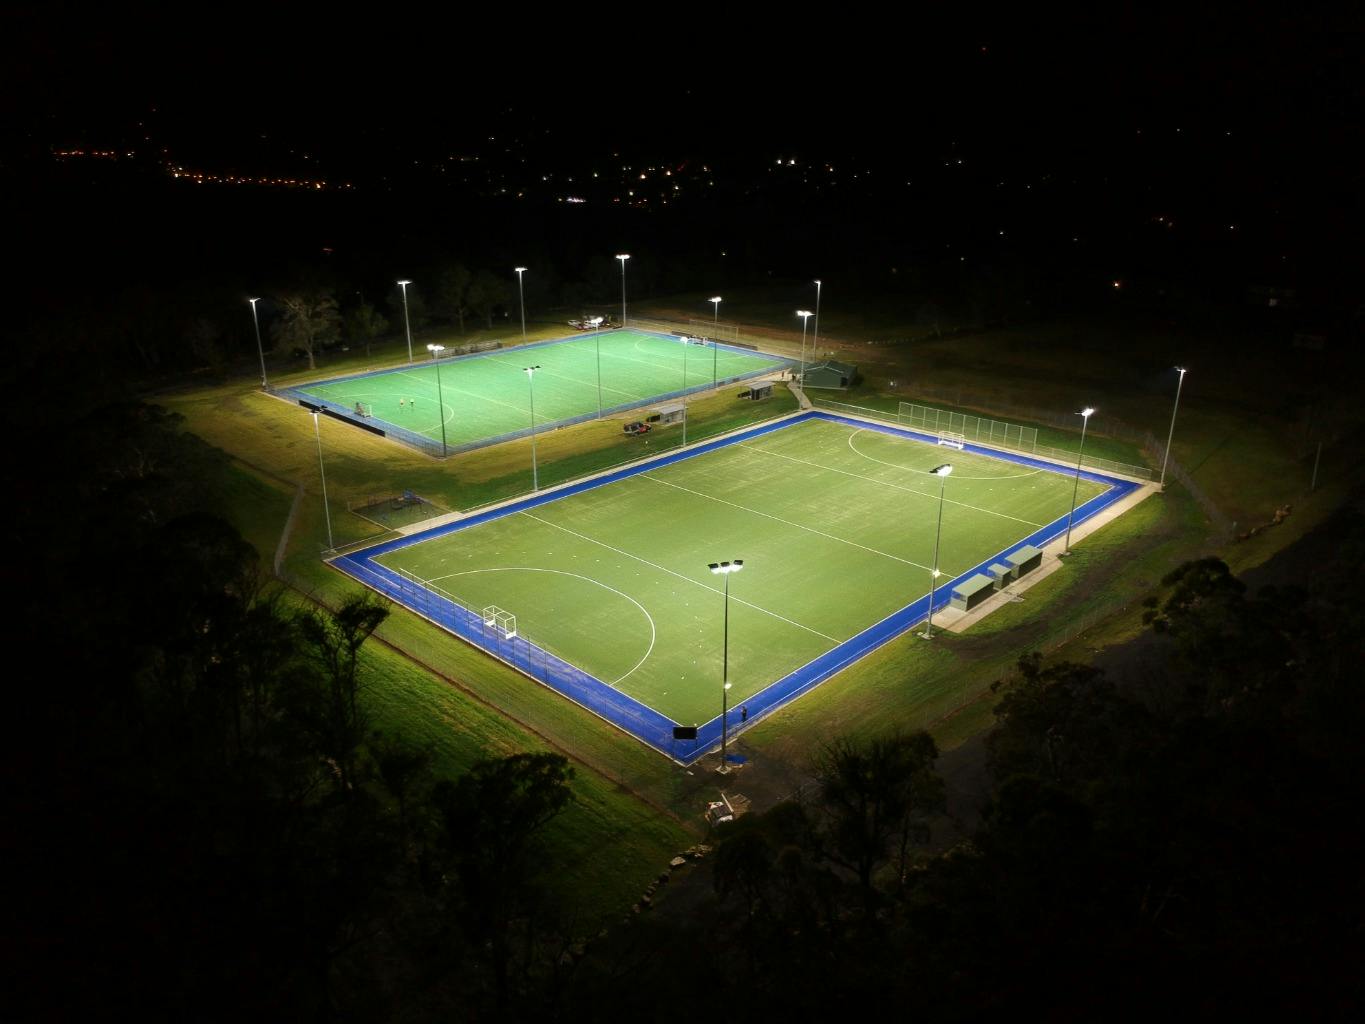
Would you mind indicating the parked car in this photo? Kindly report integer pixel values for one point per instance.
(636, 428)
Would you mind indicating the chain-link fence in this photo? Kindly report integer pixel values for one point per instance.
(1156, 451)
(984, 431)
(973, 428)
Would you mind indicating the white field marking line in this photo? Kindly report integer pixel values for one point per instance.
(653, 633)
(887, 483)
(462, 391)
(883, 462)
(574, 380)
(735, 358)
(653, 565)
(359, 395)
(787, 522)
(924, 494)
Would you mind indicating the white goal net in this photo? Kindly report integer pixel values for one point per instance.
(504, 623)
(951, 439)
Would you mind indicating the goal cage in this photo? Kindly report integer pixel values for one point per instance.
(972, 428)
(504, 623)
(364, 409)
(952, 440)
(726, 334)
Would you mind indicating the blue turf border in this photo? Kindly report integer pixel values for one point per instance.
(629, 714)
(301, 394)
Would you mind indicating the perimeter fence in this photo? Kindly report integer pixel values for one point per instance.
(982, 430)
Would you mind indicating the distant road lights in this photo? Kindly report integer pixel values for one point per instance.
(805, 315)
(623, 256)
(531, 379)
(815, 339)
(725, 569)
(521, 294)
(259, 350)
(322, 475)
(1085, 415)
(436, 351)
(1171, 436)
(942, 472)
(407, 326)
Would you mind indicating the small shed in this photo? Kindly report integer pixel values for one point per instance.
(671, 412)
(1025, 560)
(829, 375)
(758, 391)
(972, 591)
(1003, 575)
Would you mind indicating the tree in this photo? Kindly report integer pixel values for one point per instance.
(1064, 723)
(336, 639)
(490, 819)
(486, 293)
(874, 795)
(452, 292)
(205, 340)
(364, 323)
(307, 321)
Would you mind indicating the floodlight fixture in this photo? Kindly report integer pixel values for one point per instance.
(725, 569)
(407, 324)
(256, 322)
(436, 351)
(1180, 383)
(805, 315)
(521, 295)
(622, 256)
(1085, 415)
(942, 472)
(531, 381)
(322, 477)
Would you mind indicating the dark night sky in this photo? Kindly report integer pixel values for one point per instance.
(711, 79)
(1209, 119)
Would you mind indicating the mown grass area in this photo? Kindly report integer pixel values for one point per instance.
(278, 436)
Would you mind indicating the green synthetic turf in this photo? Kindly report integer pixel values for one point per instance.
(489, 395)
(835, 525)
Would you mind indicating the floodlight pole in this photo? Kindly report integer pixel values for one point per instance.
(725, 569)
(623, 256)
(521, 295)
(1171, 436)
(1085, 415)
(265, 384)
(436, 351)
(322, 475)
(715, 349)
(815, 341)
(686, 345)
(531, 379)
(597, 344)
(407, 325)
(942, 473)
(805, 316)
